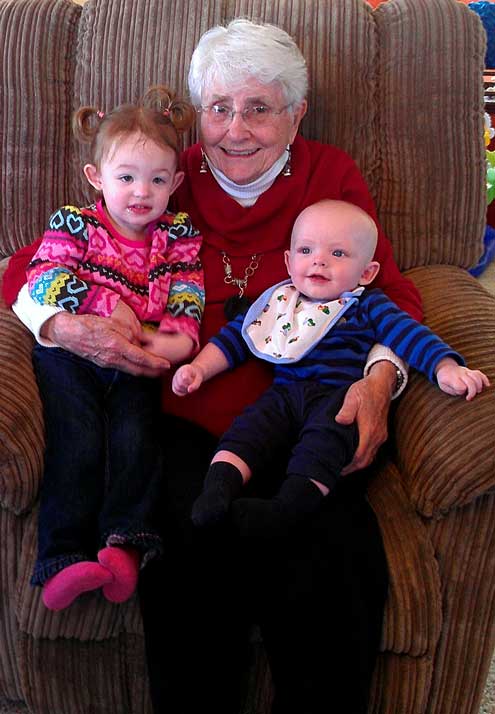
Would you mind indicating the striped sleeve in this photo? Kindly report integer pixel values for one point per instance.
(410, 340)
(231, 342)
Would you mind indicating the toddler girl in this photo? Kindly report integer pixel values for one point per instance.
(128, 259)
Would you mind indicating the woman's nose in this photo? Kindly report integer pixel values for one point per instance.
(238, 127)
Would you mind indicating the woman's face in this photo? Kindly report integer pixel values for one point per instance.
(242, 149)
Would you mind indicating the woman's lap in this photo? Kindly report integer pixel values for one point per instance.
(318, 597)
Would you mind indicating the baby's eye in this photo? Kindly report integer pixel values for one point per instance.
(305, 251)
(158, 180)
(127, 178)
(338, 253)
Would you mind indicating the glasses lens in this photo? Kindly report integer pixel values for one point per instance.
(254, 116)
(258, 115)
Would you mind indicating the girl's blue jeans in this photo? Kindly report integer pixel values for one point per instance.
(103, 461)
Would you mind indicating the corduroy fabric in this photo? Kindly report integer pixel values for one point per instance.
(429, 217)
(11, 535)
(37, 59)
(413, 613)
(464, 544)
(21, 419)
(450, 466)
(400, 89)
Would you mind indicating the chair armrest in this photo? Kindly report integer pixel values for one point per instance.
(445, 444)
(413, 610)
(21, 420)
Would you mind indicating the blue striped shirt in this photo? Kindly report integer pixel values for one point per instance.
(340, 356)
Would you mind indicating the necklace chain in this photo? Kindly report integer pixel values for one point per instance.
(249, 270)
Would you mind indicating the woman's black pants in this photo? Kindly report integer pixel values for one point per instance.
(317, 595)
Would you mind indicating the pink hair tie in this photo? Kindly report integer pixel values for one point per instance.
(100, 114)
(166, 112)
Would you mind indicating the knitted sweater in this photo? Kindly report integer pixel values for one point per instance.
(85, 266)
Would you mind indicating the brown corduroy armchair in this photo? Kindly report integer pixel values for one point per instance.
(400, 89)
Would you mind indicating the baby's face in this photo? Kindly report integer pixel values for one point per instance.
(329, 254)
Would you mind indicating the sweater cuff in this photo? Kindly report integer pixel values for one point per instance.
(380, 353)
(33, 315)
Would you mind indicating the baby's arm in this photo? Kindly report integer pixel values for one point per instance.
(172, 346)
(209, 362)
(454, 379)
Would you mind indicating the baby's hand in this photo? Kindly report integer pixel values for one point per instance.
(187, 379)
(456, 380)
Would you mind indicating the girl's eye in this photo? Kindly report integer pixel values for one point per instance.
(338, 253)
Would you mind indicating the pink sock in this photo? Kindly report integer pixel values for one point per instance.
(123, 563)
(63, 588)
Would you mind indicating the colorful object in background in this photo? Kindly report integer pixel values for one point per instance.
(490, 159)
(489, 237)
(486, 12)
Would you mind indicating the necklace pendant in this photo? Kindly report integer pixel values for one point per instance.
(235, 305)
(241, 284)
(238, 303)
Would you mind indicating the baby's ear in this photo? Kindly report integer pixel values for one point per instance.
(93, 176)
(369, 273)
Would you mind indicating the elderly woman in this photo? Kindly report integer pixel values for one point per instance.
(318, 593)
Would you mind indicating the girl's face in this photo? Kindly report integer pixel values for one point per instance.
(136, 178)
(242, 147)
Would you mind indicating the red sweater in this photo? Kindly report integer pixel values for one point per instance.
(318, 171)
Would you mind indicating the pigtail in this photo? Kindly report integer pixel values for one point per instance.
(163, 100)
(86, 122)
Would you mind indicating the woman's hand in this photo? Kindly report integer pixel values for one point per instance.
(127, 317)
(367, 402)
(104, 341)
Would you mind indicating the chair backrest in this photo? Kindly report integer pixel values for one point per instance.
(400, 88)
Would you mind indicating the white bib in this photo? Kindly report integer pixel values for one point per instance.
(283, 325)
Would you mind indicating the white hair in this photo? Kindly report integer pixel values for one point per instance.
(245, 49)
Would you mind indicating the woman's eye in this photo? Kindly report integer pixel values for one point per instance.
(220, 109)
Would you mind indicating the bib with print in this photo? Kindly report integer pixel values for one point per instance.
(283, 325)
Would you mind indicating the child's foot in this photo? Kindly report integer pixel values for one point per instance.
(270, 518)
(63, 588)
(258, 518)
(223, 483)
(123, 564)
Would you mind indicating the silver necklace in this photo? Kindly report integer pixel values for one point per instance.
(238, 303)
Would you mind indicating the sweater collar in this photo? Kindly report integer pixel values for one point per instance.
(247, 194)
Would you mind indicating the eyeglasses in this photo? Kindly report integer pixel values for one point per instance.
(256, 115)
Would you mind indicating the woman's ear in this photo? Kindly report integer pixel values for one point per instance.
(298, 114)
(369, 273)
(93, 176)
